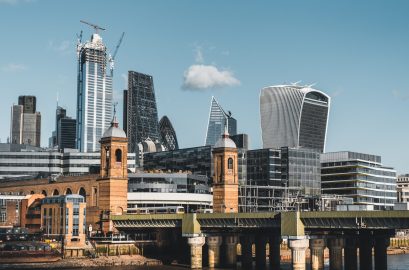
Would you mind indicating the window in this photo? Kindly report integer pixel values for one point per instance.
(230, 164)
(118, 155)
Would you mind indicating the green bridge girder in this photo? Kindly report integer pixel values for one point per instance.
(290, 223)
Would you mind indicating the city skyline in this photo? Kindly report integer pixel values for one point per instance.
(360, 62)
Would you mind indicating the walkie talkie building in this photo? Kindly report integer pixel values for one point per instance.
(94, 100)
(294, 116)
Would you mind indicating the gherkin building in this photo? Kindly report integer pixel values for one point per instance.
(168, 134)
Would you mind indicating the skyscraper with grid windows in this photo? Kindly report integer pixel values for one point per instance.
(94, 96)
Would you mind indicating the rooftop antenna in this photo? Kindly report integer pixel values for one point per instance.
(96, 27)
(311, 85)
(295, 83)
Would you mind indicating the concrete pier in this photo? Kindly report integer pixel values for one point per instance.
(350, 253)
(298, 248)
(381, 244)
(261, 256)
(335, 246)
(246, 242)
(365, 251)
(231, 250)
(317, 247)
(196, 244)
(274, 252)
(214, 242)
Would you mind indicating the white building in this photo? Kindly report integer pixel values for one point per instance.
(94, 100)
(294, 116)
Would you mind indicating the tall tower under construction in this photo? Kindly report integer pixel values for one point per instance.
(94, 97)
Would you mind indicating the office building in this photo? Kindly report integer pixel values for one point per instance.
(141, 113)
(39, 163)
(359, 176)
(168, 189)
(168, 134)
(294, 116)
(197, 160)
(241, 140)
(10, 210)
(25, 122)
(402, 188)
(65, 130)
(94, 95)
(218, 119)
(64, 217)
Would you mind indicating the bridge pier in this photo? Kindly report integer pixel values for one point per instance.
(213, 243)
(231, 250)
(317, 247)
(261, 256)
(246, 242)
(335, 246)
(365, 250)
(298, 248)
(196, 244)
(350, 253)
(274, 256)
(381, 244)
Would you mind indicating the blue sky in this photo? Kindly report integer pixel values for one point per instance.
(356, 51)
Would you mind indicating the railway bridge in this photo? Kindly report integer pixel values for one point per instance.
(340, 231)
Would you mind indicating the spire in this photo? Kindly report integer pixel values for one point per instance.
(114, 122)
(226, 132)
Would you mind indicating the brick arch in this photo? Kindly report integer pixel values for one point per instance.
(68, 190)
(54, 191)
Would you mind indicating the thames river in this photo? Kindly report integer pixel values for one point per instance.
(395, 262)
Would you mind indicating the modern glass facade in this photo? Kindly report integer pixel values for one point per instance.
(197, 160)
(142, 114)
(66, 133)
(294, 116)
(301, 168)
(359, 176)
(168, 134)
(264, 167)
(94, 96)
(218, 119)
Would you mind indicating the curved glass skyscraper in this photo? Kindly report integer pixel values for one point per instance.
(168, 134)
(294, 116)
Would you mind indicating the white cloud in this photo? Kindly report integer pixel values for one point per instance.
(63, 47)
(13, 67)
(201, 77)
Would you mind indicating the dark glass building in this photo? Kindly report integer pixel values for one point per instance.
(197, 160)
(218, 119)
(301, 168)
(168, 134)
(141, 112)
(66, 131)
(264, 167)
(241, 140)
(29, 103)
(359, 176)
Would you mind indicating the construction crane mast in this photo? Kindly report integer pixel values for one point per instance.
(112, 57)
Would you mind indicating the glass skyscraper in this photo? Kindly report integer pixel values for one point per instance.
(168, 134)
(94, 97)
(294, 116)
(141, 113)
(218, 118)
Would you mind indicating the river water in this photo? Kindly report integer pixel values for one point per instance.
(395, 262)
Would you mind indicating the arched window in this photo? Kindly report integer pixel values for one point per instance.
(56, 192)
(83, 193)
(118, 155)
(230, 164)
(31, 192)
(44, 193)
(68, 191)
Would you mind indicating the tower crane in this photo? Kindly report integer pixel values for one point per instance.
(96, 27)
(112, 57)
